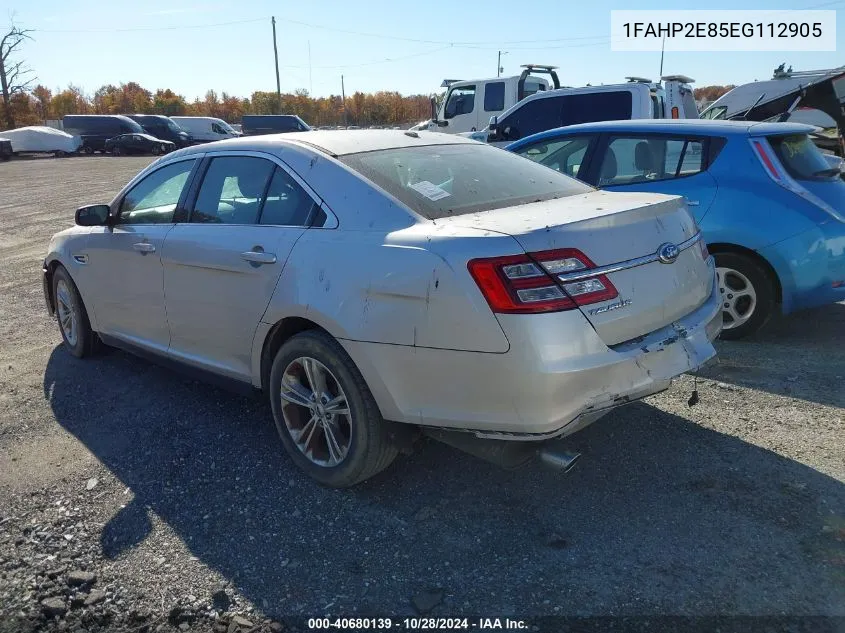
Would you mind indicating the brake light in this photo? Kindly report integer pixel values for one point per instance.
(675, 112)
(528, 284)
(763, 155)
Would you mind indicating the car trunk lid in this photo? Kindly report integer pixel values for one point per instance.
(621, 235)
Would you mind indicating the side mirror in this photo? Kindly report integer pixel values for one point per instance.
(493, 125)
(92, 215)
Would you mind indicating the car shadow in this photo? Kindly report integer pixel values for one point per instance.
(801, 356)
(660, 516)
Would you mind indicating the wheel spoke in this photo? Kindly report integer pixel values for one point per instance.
(316, 377)
(294, 392)
(308, 431)
(336, 453)
(337, 406)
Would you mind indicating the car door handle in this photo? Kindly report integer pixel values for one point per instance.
(691, 203)
(258, 257)
(144, 247)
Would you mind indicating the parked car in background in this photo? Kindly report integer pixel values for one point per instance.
(471, 291)
(204, 129)
(39, 139)
(164, 128)
(5, 149)
(96, 129)
(138, 144)
(771, 207)
(256, 124)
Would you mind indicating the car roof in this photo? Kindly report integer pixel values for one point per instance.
(680, 126)
(335, 142)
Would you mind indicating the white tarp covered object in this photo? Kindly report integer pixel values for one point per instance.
(38, 138)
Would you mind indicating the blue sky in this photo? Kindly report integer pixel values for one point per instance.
(77, 42)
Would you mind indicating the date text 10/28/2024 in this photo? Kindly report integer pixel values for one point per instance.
(417, 624)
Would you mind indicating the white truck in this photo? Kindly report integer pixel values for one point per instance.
(538, 105)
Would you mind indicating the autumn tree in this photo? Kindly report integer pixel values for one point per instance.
(43, 96)
(69, 101)
(168, 103)
(13, 73)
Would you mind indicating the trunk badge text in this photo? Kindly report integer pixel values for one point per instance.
(610, 307)
(668, 253)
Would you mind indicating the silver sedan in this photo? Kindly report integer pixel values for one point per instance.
(376, 284)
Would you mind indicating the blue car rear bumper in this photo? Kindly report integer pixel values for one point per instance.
(811, 266)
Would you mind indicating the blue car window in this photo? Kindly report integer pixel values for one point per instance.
(634, 159)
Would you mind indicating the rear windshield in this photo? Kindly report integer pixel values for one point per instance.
(801, 158)
(438, 181)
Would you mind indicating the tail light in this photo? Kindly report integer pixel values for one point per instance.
(527, 284)
(767, 161)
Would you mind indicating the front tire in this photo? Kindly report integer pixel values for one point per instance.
(80, 340)
(747, 293)
(327, 418)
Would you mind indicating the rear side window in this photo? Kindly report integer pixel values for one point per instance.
(635, 159)
(494, 96)
(599, 106)
(232, 190)
(287, 204)
(438, 181)
(801, 158)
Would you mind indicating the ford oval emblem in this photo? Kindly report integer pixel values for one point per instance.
(668, 253)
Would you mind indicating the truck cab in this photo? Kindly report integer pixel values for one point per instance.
(469, 104)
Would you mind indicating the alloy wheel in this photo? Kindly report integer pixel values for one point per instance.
(316, 412)
(66, 307)
(739, 299)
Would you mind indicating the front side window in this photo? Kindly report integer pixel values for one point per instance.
(534, 116)
(287, 203)
(565, 155)
(232, 190)
(494, 97)
(801, 158)
(438, 181)
(631, 160)
(217, 129)
(461, 101)
(153, 200)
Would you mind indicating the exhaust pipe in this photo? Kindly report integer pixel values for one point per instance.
(558, 459)
(506, 454)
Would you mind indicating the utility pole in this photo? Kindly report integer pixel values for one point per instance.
(343, 97)
(276, 54)
(499, 64)
(662, 50)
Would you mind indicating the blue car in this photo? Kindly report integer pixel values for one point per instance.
(771, 207)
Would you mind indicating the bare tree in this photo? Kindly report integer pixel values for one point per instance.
(13, 74)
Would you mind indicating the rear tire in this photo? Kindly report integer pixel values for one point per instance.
(748, 295)
(361, 447)
(116, 151)
(71, 315)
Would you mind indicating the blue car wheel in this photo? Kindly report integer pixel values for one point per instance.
(748, 295)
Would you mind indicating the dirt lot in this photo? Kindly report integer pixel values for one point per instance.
(131, 496)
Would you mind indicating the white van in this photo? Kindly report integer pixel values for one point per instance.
(570, 106)
(204, 129)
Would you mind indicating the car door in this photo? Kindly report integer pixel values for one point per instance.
(659, 163)
(566, 154)
(221, 265)
(124, 258)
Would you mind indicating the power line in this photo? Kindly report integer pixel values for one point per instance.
(151, 28)
(378, 61)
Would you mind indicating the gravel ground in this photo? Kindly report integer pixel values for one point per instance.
(134, 498)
